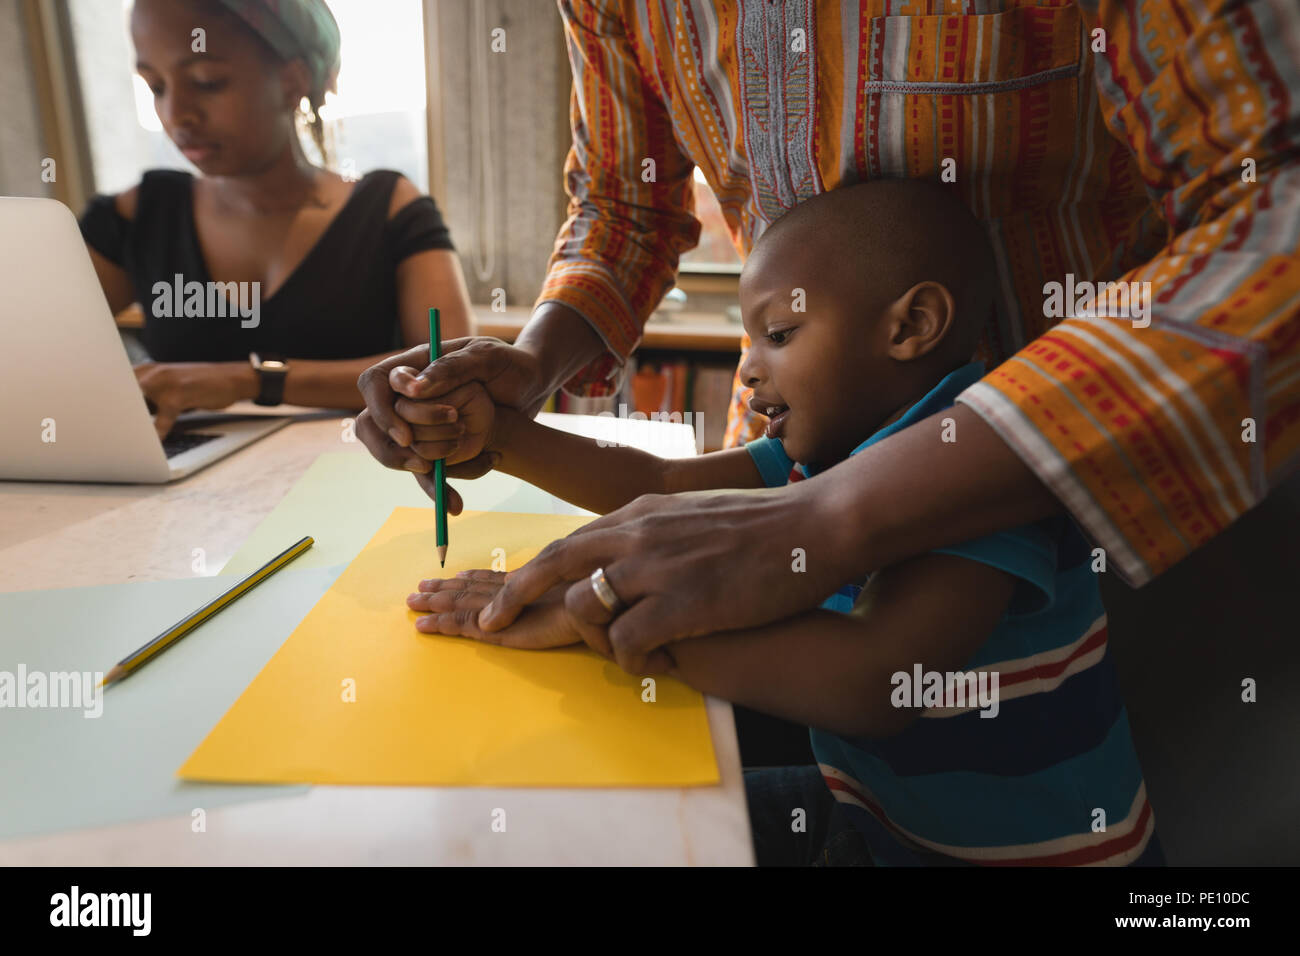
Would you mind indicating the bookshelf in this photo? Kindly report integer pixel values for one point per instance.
(682, 370)
(685, 334)
(690, 333)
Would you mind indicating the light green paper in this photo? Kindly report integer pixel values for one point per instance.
(344, 498)
(63, 770)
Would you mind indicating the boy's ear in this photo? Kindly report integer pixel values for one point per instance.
(919, 320)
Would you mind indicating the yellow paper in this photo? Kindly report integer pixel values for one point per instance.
(431, 710)
(346, 495)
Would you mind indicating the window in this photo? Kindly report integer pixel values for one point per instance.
(376, 120)
(715, 253)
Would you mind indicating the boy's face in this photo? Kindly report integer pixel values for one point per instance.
(818, 361)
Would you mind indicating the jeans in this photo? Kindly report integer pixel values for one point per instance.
(821, 836)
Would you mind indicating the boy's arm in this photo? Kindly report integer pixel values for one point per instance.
(833, 671)
(603, 478)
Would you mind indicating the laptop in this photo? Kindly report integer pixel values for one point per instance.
(71, 409)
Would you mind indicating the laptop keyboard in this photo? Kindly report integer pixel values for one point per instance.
(173, 445)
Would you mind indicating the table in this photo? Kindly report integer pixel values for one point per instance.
(55, 535)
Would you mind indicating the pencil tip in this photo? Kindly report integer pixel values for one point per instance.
(442, 555)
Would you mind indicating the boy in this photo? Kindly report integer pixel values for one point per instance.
(962, 705)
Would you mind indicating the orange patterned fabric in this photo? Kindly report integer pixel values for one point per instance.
(1154, 141)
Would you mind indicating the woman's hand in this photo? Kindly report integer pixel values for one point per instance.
(175, 387)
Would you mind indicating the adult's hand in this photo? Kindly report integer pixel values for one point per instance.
(511, 375)
(171, 388)
(411, 407)
(409, 433)
(554, 344)
(684, 565)
(691, 564)
(500, 373)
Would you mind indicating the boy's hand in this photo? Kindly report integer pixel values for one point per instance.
(453, 605)
(456, 441)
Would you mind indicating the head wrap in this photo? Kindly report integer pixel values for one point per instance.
(296, 29)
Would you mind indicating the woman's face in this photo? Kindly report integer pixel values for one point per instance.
(225, 103)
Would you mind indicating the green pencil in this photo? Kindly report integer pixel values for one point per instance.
(439, 475)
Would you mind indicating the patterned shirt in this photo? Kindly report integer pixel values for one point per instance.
(1037, 768)
(1149, 141)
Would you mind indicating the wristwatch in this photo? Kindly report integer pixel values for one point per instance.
(271, 372)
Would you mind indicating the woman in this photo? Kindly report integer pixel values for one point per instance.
(329, 276)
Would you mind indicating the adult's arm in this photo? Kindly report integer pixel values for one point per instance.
(176, 387)
(819, 668)
(423, 275)
(428, 273)
(630, 216)
(101, 228)
(631, 193)
(707, 561)
(1142, 433)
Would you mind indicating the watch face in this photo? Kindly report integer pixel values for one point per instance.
(272, 365)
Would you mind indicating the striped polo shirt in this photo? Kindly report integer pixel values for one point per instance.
(1050, 776)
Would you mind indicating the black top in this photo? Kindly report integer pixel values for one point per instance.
(340, 302)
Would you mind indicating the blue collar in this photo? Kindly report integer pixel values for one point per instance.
(936, 399)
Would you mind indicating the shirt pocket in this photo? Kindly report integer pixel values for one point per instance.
(996, 94)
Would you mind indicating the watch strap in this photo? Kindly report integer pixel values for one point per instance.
(270, 381)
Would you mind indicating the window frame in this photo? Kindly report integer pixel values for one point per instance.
(58, 92)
